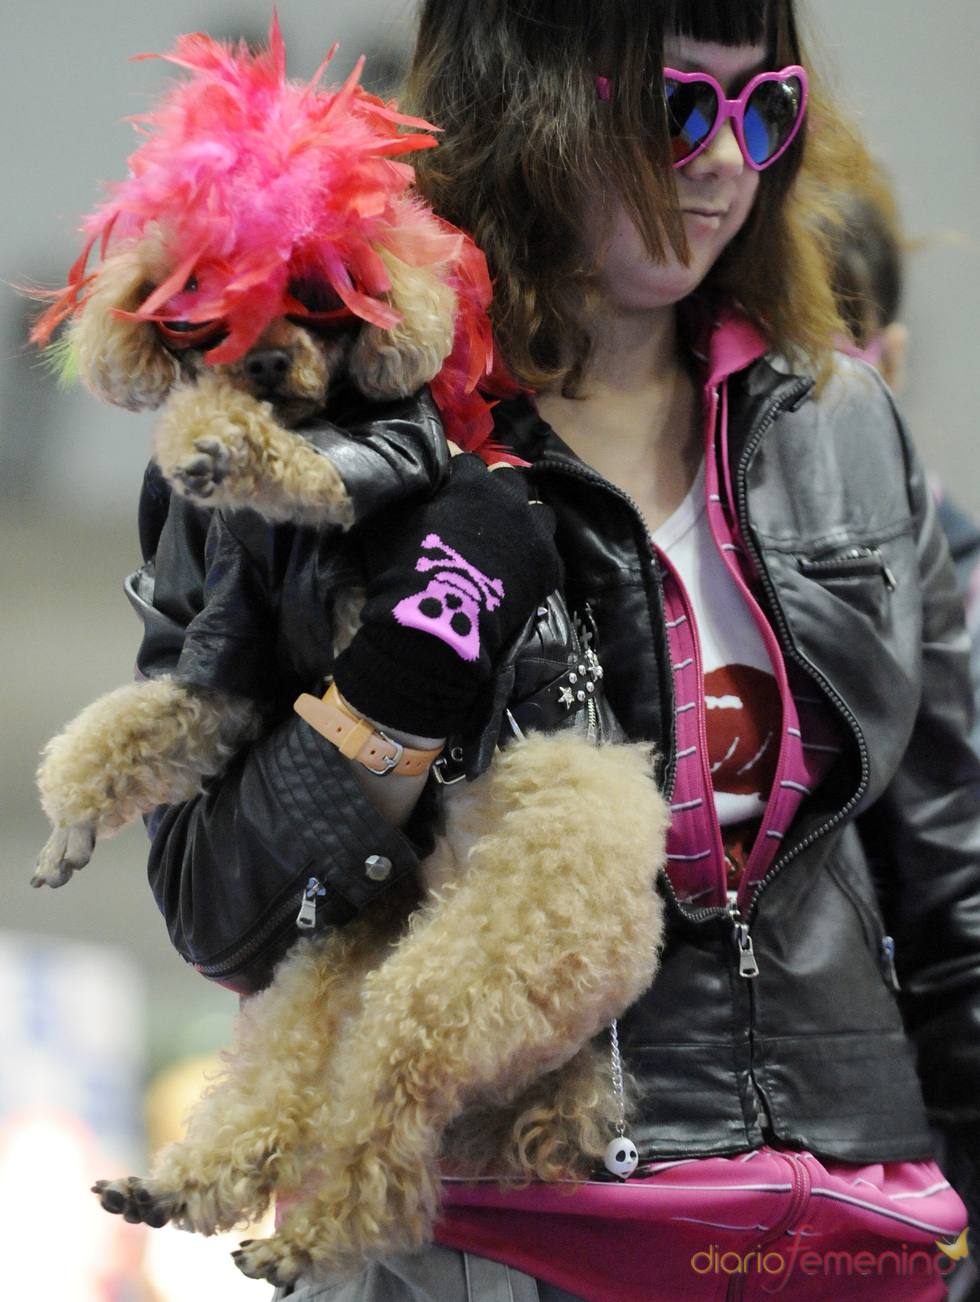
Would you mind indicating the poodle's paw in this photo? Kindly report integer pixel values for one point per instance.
(273, 1260)
(68, 849)
(200, 473)
(139, 1201)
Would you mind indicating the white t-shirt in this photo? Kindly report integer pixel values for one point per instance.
(743, 709)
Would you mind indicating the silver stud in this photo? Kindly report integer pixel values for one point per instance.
(377, 867)
(580, 695)
(566, 698)
(590, 687)
(598, 671)
(581, 669)
(573, 678)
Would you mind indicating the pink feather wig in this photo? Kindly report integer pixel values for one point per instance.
(255, 183)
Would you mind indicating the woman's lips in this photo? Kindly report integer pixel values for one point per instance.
(704, 219)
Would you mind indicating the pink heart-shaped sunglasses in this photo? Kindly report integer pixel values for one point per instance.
(765, 116)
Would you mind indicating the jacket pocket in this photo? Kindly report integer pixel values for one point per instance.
(858, 574)
(879, 942)
(856, 562)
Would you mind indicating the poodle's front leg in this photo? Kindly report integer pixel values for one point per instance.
(218, 444)
(143, 745)
(554, 931)
(251, 1133)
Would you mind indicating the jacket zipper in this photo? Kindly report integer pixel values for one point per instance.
(853, 563)
(741, 934)
(306, 918)
(888, 963)
(742, 937)
(269, 928)
(786, 642)
(581, 471)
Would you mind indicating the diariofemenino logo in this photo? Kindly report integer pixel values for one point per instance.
(776, 1267)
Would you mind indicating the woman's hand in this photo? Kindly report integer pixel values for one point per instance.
(451, 583)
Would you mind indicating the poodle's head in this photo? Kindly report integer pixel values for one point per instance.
(133, 361)
(266, 230)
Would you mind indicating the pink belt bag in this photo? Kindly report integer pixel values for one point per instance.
(752, 1226)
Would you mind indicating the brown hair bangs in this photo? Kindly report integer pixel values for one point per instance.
(527, 141)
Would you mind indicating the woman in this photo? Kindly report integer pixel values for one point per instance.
(791, 641)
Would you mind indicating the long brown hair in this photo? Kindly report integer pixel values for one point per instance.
(526, 139)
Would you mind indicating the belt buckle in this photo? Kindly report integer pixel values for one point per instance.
(388, 762)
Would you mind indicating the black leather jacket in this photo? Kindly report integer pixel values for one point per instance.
(820, 1050)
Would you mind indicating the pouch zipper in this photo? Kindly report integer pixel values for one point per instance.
(799, 1195)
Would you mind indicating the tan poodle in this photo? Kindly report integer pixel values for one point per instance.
(455, 1022)
(380, 1055)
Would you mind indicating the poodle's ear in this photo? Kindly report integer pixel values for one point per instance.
(394, 363)
(122, 361)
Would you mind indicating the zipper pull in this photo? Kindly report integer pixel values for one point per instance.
(747, 966)
(888, 961)
(891, 583)
(306, 918)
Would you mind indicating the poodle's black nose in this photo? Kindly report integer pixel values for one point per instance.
(267, 367)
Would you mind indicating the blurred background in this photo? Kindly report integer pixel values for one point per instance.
(94, 1005)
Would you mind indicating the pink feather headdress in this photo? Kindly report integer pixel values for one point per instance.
(254, 183)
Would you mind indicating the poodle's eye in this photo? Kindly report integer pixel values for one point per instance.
(315, 295)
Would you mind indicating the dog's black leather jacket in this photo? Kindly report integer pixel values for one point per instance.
(820, 1050)
(233, 604)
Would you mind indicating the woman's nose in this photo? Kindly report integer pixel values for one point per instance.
(722, 156)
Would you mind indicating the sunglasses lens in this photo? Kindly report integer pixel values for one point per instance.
(692, 107)
(771, 117)
(188, 334)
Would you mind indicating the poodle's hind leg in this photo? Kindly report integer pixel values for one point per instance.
(251, 1133)
(554, 930)
(557, 1129)
(218, 444)
(143, 745)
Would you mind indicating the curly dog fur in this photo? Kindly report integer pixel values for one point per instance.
(369, 1065)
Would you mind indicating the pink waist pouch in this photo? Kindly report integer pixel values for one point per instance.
(752, 1226)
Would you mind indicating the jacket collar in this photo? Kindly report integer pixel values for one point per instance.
(723, 342)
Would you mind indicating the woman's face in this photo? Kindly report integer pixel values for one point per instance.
(715, 190)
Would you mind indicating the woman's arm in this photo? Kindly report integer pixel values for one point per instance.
(923, 838)
(229, 868)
